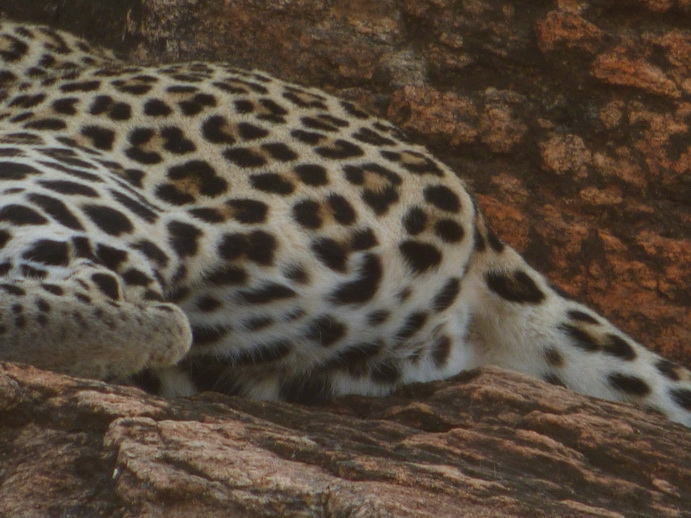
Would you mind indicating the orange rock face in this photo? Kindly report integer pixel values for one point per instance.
(570, 120)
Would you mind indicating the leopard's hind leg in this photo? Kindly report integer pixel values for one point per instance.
(521, 323)
(83, 325)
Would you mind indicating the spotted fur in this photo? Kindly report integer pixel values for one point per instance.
(198, 227)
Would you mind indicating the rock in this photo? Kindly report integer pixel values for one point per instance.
(570, 121)
(487, 443)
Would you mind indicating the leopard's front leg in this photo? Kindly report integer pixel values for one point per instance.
(83, 325)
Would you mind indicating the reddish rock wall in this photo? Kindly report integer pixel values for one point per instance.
(569, 118)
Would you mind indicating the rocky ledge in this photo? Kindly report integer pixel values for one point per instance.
(489, 443)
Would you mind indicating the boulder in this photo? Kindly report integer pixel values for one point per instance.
(569, 120)
(488, 443)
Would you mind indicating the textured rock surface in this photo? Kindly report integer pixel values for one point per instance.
(489, 443)
(569, 119)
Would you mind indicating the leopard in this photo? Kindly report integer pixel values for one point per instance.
(190, 227)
